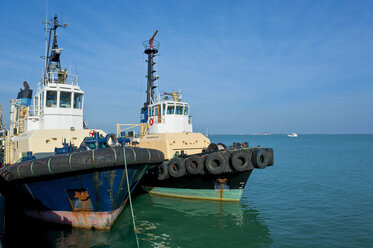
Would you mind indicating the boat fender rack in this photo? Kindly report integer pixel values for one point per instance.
(215, 160)
(80, 162)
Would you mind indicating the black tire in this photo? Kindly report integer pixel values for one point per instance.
(212, 147)
(270, 156)
(215, 163)
(260, 158)
(176, 167)
(221, 146)
(194, 165)
(241, 160)
(162, 172)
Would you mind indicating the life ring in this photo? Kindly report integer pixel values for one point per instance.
(92, 133)
(194, 165)
(241, 160)
(162, 172)
(176, 167)
(260, 158)
(151, 121)
(215, 163)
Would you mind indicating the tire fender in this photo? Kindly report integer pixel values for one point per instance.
(176, 167)
(194, 165)
(215, 163)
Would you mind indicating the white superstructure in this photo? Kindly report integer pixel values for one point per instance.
(169, 115)
(55, 113)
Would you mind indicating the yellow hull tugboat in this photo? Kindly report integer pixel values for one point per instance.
(193, 167)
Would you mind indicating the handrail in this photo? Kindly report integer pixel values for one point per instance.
(131, 126)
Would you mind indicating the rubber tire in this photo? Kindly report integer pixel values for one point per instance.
(241, 160)
(215, 163)
(162, 172)
(197, 162)
(270, 156)
(176, 167)
(260, 158)
(212, 147)
(221, 146)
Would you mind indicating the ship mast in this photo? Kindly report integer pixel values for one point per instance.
(151, 48)
(52, 61)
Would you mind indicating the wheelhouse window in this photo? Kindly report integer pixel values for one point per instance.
(163, 109)
(186, 110)
(78, 101)
(156, 110)
(170, 109)
(151, 110)
(65, 99)
(179, 109)
(42, 100)
(51, 99)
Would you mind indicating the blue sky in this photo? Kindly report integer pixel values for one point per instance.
(244, 66)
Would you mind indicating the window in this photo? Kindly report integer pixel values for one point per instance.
(179, 109)
(51, 99)
(65, 99)
(170, 109)
(42, 99)
(36, 102)
(150, 112)
(156, 111)
(186, 110)
(78, 100)
(163, 109)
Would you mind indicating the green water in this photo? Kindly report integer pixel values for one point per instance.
(318, 194)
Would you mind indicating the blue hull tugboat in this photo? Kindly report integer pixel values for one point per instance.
(86, 183)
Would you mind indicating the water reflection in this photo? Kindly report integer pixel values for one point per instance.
(161, 222)
(170, 222)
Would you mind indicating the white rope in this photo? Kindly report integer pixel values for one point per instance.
(129, 196)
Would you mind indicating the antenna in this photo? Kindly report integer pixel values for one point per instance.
(55, 52)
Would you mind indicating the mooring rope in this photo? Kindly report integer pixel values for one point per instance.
(129, 195)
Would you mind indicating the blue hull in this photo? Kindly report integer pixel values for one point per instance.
(90, 200)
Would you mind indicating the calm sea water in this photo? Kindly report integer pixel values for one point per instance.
(319, 193)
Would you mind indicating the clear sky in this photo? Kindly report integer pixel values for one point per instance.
(244, 66)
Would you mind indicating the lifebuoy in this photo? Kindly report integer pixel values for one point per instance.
(92, 133)
(260, 158)
(241, 160)
(194, 164)
(176, 167)
(151, 121)
(215, 163)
